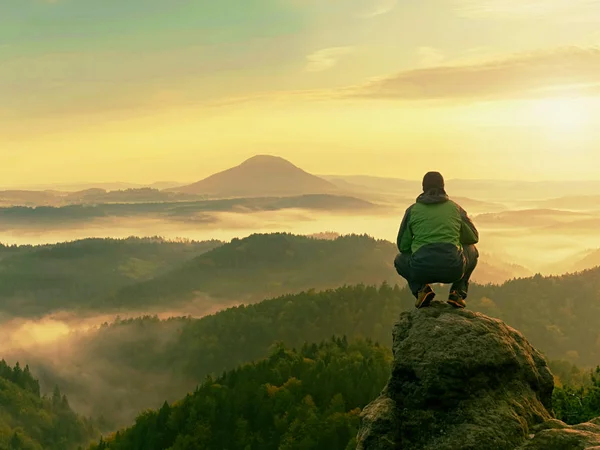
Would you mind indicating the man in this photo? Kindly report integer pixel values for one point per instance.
(437, 245)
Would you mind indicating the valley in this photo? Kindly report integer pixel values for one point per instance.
(127, 300)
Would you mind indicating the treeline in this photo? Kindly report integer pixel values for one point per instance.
(20, 377)
(305, 399)
(269, 265)
(560, 315)
(294, 399)
(575, 404)
(29, 421)
(245, 333)
(185, 350)
(36, 280)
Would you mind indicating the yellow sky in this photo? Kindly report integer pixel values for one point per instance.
(154, 91)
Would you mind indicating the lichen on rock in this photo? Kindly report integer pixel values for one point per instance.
(462, 380)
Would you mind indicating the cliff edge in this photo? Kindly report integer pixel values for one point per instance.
(462, 380)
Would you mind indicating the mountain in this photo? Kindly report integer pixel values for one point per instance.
(574, 202)
(29, 198)
(491, 270)
(589, 261)
(108, 186)
(260, 176)
(545, 218)
(29, 421)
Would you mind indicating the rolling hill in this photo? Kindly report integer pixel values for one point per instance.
(260, 176)
(267, 265)
(116, 274)
(36, 280)
(559, 315)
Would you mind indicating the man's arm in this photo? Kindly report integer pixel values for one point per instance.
(404, 241)
(468, 233)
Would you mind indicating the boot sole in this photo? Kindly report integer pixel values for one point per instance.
(456, 304)
(426, 300)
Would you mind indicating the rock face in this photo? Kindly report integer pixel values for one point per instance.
(556, 435)
(461, 380)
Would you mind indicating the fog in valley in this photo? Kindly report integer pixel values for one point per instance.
(112, 369)
(200, 206)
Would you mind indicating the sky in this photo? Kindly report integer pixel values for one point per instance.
(175, 90)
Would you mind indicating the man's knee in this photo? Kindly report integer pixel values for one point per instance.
(402, 264)
(471, 255)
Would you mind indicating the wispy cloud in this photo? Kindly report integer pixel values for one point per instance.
(326, 58)
(429, 56)
(570, 71)
(380, 7)
(518, 8)
(565, 69)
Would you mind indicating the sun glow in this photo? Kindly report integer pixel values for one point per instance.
(562, 115)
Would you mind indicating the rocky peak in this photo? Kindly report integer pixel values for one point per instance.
(462, 380)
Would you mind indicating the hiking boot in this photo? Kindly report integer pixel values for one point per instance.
(456, 300)
(424, 297)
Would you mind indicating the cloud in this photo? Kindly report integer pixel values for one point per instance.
(326, 58)
(380, 7)
(563, 71)
(571, 69)
(518, 8)
(429, 56)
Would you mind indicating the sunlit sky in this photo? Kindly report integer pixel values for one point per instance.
(152, 90)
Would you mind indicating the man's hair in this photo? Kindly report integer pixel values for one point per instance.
(433, 180)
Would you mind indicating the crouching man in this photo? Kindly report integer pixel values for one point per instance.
(437, 245)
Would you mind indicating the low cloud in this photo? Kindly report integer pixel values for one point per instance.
(567, 71)
(572, 69)
(429, 56)
(326, 58)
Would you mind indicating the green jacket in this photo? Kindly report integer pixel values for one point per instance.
(435, 219)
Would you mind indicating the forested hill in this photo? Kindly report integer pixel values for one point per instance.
(169, 357)
(41, 279)
(559, 315)
(268, 265)
(144, 273)
(305, 399)
(31, 422)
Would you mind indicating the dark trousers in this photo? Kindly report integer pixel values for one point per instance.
(419, 276)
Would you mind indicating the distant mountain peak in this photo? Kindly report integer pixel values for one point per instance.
(268, 160)
(259, 176)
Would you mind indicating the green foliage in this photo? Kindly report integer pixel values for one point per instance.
(245, 333)
(20, 377)
(31, 422)
(269, 265)
(577, 404)
(292, 400)
(568, 374)
(164, 359)
(40, 279)
(559, 315)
